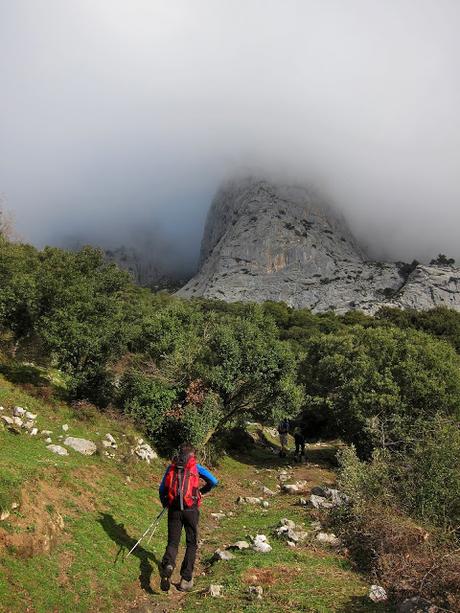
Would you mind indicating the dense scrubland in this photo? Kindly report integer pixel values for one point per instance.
(387, 386)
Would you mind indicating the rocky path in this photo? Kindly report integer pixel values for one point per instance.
(251, 500)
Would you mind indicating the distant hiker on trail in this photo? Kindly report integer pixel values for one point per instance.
(299, 439)
(283, 431)
(180, 491)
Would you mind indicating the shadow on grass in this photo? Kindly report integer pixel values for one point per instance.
(264, 453)
(33, 381)
(119, 535)
(20, 373)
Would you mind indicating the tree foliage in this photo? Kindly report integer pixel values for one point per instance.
(376, 383)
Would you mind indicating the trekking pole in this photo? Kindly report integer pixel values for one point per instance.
(153, 525)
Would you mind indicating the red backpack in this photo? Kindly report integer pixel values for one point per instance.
(182, 483)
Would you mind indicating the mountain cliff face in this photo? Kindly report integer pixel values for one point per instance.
(277, 242)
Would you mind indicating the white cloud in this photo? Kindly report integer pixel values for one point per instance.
(120, 112)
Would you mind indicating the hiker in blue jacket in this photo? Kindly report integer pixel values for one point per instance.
(181, 492)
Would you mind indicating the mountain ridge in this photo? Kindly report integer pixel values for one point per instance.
(270, 241)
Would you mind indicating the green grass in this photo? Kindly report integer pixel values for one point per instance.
(87, 570)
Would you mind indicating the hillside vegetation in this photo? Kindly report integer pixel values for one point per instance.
(89, 347)
(64, 547)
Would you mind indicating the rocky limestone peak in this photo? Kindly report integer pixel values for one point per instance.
(267, 241)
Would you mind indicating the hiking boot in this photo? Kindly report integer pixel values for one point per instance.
(166, 572)
(185, 586)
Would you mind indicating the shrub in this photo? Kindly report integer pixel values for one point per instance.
(428, 474)
(364, 482)
(376, 383)
(145, 399)
(423, 480)
(401, 555)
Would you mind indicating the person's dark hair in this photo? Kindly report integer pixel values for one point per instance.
(184, 452)
(186, 449)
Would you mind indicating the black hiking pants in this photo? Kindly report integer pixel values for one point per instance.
(188, 518)
(299, 447)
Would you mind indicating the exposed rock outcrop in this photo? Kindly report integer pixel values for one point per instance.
(283, 243)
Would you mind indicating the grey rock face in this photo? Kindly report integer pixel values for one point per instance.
(430, 286)
(283, 243)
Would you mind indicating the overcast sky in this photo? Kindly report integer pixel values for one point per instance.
(117, 115)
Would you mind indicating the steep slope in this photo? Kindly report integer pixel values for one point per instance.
(276, 242)
(429, 286)
(67, 523)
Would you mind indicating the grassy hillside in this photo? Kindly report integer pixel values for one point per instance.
(63, 548)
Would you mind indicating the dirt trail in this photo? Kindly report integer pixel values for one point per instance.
(210, 529)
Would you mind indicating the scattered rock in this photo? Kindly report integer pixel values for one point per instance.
(15, 506)
(316, 526)
(255, 592)
(267, 491)
(265, 504)
(81, 445)
(2, 408)
(4, 515)
(109, 441)
(48, 440)
(31, 416)
(319, 502)
(287, 523)
(328, 539)
(218, 515)
(46, 432)
(215, 590)
(144, 451)
(57, 449)
(303, 502)
(19, 411)
(240, 545)
(28, 425)
(33, 432)
(337, 498)
(7, 420)
(260, 544)
(65, 427)
(377, 593)
(222, 554)
(287, 530)
(17, 421)
(249, 500)
(291, 544)
(327, 498)
(290, 488)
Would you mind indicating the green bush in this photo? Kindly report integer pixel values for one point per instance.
(364, 481)
(145, 399)
(377, 383)
(423, 479)
(429, 474)
(187, 424)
